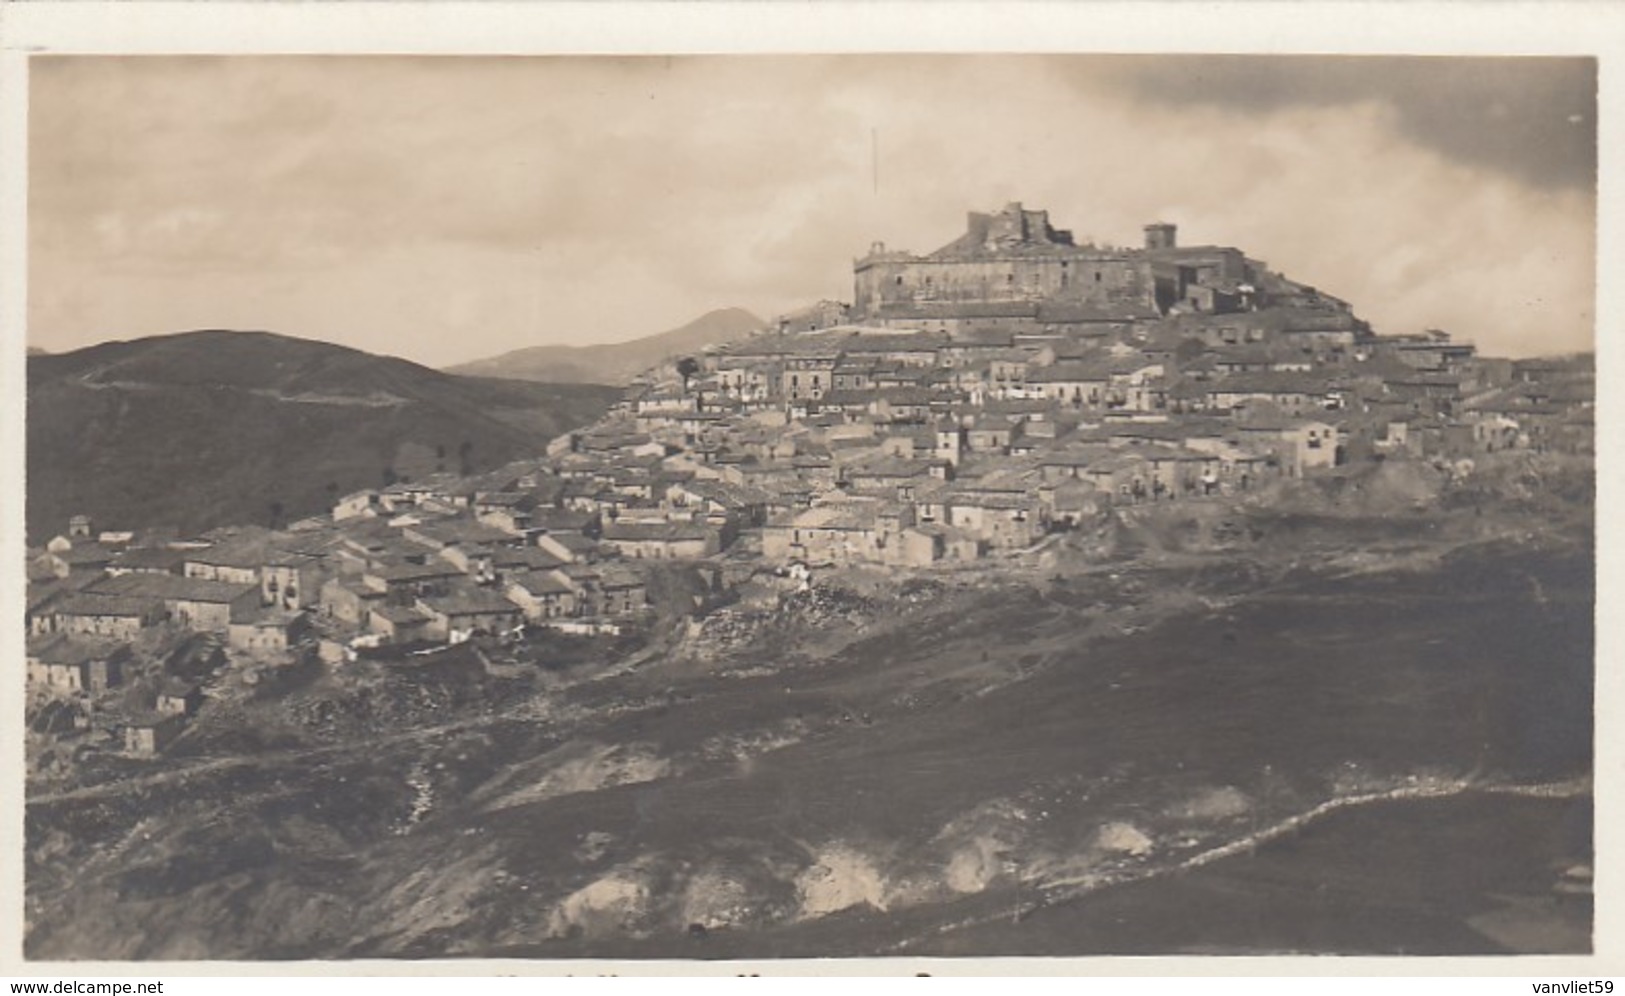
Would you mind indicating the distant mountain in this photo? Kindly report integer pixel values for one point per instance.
(615, 363)
(207, 428)
(36, 351)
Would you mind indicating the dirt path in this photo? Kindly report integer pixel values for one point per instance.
(172, 775)
(1067, 890)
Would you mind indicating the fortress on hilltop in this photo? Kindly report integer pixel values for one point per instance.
(1014, 264)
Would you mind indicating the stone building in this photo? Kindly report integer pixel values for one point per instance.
(148, 734)
(543, 595)
(63, 664)
(1015, 263)
(453, 618)
(111, 617)
(272, 633)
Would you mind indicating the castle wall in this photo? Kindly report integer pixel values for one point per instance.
(1099, 279)
(1015, 257)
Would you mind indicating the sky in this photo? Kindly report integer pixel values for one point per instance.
(446, 209)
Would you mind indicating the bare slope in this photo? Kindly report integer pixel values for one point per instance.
(615, 363)
(206, 428)
(970, 774)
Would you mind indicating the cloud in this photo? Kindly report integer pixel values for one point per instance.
(1533, 119)
(448, 208)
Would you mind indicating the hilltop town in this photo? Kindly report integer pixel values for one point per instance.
(1010, 400)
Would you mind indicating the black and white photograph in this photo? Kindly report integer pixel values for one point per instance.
(734, 506)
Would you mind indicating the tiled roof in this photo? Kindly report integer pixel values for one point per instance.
(92, 604)
(461, 532)
(1066, 372)
(996, 500)
(86, 554)
(171, 587)
(902, 342)
(542, 583)
(149, 557)
(63, 649)
(617, 576)
(409, 572)
(400, 615)
(1269, 383)
(666, 532)
(891, 467)
(470, 603)
(845, 516)
(530, 557)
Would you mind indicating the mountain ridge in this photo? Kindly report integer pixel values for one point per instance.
(618, 362)
(196, 429)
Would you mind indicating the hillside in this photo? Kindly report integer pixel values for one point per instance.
(1048, 766)
(614, 363)
(205, 428)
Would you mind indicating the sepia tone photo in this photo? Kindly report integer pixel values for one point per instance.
(799, 506)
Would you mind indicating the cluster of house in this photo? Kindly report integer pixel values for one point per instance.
(434, 560)
(970, 402)
(1012, 383)
(427, 562)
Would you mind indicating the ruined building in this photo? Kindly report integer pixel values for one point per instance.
(1013, 264)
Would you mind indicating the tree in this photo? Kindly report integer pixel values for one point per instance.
(687, 367)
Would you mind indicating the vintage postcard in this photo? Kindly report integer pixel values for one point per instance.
(1062, 494)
